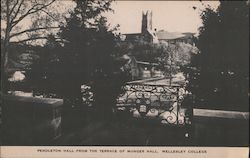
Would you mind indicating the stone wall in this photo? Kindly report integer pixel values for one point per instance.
(30, 121)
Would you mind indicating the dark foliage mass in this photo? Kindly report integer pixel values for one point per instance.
(87, 56)
(220, 72)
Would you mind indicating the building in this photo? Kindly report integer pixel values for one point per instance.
(145, 69)
(175, 37)
(148, 34)
(142, 69)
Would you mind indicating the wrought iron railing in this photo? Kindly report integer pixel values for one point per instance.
(163, 102)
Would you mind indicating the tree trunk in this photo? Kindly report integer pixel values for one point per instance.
(5, 56)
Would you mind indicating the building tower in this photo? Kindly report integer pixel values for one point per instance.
(146, 21)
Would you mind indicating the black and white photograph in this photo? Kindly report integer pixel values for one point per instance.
(105, 73)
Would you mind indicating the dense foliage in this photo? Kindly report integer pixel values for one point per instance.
(219, 74)
(86, 56)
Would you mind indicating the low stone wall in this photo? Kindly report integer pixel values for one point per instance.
(220, 128)
(38, 121)
(30, 121)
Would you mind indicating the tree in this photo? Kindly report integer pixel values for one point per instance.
(221, 73)
(42, 75)
(87, 56)
(15, 18)
(169, 56)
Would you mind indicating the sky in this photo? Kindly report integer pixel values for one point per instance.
(172, 16)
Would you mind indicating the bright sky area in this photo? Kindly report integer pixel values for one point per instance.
(172, 16)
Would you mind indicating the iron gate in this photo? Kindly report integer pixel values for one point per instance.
(163, 102)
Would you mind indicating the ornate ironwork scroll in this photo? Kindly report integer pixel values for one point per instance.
(159, 101)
